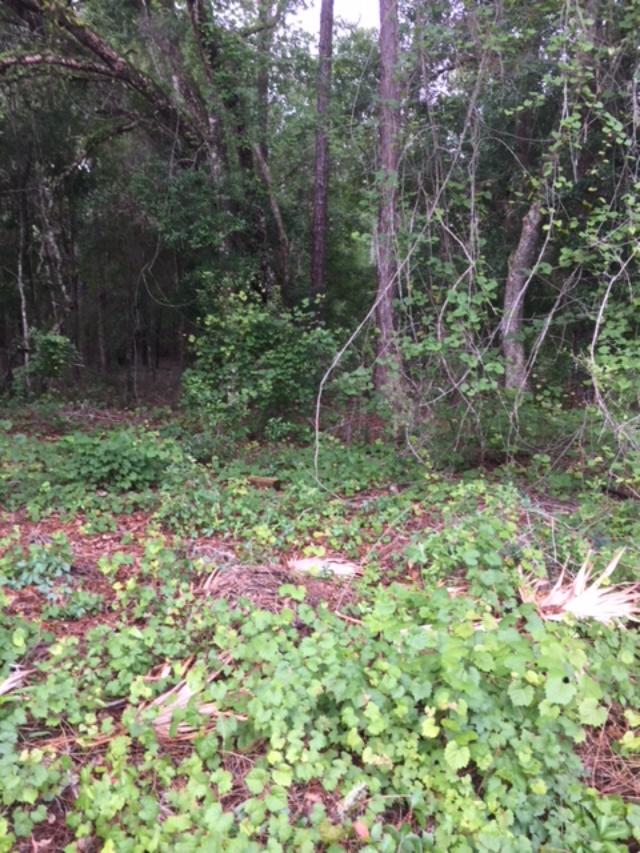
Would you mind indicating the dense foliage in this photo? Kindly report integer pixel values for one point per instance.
(134, 232)
(262, 310)
(421, 706)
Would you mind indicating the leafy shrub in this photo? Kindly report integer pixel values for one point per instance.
(17, 638)
(123, 464)
(40, 565)
(255, 362)
(79, 603)
(121, 460)
(616, 368)
(456, 727)
(435, 722)
(297, 506)
(51, 354)
(478, 541)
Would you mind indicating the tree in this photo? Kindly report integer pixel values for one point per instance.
(518, 276)
(321, 181)
(389, 129)
(497, 171)
(175, 102)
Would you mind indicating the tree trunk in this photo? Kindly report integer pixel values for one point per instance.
(265, 173)
(389, 125)
(57, 268)
(102, 348)
(321, 181)
(24, 320)
(265, 43)
(513, 314)
(268, 274)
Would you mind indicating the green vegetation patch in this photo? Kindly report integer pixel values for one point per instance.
(421, 707)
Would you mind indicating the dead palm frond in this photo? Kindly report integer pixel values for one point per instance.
(583, 596)
(14, 680)
(190, 687)
(210, 583)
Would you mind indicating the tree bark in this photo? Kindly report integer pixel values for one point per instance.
(389, 128)
(518, 276)
(321, 180)
(57, 267)
(265, 173)
(265, 44)
(102, 348)
(24, 320)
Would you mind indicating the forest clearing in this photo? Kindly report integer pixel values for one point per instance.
(319, 426)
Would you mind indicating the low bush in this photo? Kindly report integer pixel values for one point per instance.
(433, 723)
(255, 364)
(39, 565)
(121, 460)
(113, 471)
(50, 355)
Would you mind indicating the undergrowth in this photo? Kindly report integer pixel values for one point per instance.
(420, 707)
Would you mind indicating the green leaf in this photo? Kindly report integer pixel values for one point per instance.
(283, 776)
(256, 780)
(470, 556)
(18, 638)
(276, 800)
(591, 713)
(539, 787)
(456, 756)
(429, 728)
(224, 781)
(289, 590)
(559, 691)
(177, 823)
(520, 694)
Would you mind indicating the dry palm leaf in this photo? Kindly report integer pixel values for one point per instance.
(179, 696)
(14, 680)
(584, 597)
(257, 584)
(210, 583)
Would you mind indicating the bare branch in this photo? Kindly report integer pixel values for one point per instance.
(268, 24)
(111, 64)
(34, 60)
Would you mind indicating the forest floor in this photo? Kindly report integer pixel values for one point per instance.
(170, 679)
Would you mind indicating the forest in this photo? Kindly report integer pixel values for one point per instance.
(319, 426)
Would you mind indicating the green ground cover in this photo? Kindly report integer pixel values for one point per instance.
(176, 686)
